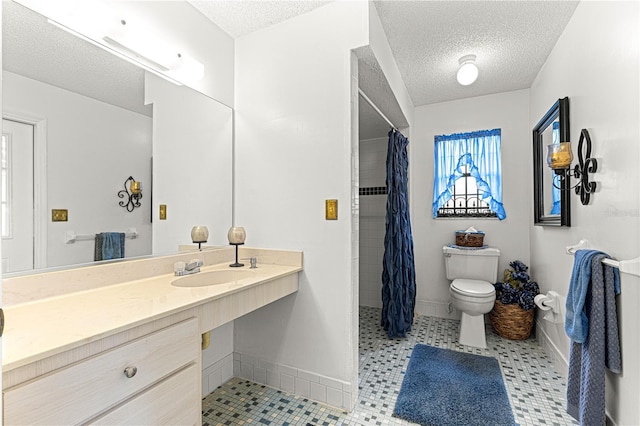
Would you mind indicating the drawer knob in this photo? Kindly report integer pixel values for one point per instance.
(130, 372)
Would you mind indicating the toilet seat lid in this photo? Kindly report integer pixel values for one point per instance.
(472, 287)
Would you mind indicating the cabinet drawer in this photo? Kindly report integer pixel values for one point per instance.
(76, 393)
(174, 401)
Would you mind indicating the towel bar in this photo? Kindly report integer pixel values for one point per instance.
(631, 266)
(71, 237)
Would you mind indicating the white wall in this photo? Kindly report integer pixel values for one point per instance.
(293, 145)
(192, 174)
(373, 173)
(192, 133)
(217, 359)
(595, 64)
(507, 111)
(92, 148)
(384, 56)
(180, 24)
(1, 271)
(191, 164)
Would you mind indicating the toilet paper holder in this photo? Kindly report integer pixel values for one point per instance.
(549, 302)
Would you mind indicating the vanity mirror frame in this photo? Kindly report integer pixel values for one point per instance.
(560, 111)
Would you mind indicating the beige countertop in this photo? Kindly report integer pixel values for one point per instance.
(42, 328)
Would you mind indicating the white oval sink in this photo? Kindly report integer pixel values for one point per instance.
(203, 279)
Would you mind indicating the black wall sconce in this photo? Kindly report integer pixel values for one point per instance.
(131, 195)
(559, 158)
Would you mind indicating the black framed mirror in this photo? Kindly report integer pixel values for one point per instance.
(550, 194)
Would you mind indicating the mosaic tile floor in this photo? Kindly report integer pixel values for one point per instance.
(535, 389)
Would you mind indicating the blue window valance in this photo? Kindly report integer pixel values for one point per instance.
(479, 154)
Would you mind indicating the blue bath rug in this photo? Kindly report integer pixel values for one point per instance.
(444, 387)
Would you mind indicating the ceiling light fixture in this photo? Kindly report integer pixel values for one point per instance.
(468, 71)
(100, 24)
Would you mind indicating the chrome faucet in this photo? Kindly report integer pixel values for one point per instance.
(253, 261)
(191, 267)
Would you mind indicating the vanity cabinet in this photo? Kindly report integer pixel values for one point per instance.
(152, 379)
(67, 357)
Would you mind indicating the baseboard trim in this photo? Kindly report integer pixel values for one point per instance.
(217, 374)
(560, 363)
(323, 389)
(436, 309)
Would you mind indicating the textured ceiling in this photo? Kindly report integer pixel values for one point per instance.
(38, 50)
(240, 17)
(373, 83)
(511, 40)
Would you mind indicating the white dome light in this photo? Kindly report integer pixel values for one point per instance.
(468, 72)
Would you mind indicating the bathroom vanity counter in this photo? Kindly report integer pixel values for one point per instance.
(120, 343)
(40, 329)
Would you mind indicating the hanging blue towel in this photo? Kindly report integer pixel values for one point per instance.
(577, 323)
(109, 245)
(601, 345)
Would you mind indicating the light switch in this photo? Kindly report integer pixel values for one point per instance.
(59, 215)
(331, 209)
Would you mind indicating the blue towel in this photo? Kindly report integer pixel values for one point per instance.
(601, 348)
(577, 323)
(109, 245)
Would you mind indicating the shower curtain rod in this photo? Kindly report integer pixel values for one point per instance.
(370, 102)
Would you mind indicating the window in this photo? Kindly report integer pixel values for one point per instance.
(467, 175)
(465, 199)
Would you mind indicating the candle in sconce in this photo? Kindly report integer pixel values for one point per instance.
(136, 187)
(559, 156)
(236, 235)
(199, 234)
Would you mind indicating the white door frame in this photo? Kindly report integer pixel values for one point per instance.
(40, 238)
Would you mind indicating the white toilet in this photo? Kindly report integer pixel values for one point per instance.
(473, 272)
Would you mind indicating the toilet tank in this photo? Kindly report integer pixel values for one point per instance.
(477, 264)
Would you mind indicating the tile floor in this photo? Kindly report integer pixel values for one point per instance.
(536, 390)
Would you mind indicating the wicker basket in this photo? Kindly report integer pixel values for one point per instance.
(469, 239)
(511, 321)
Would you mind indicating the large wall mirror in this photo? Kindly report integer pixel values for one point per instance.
(550, 194)
(77, 122)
